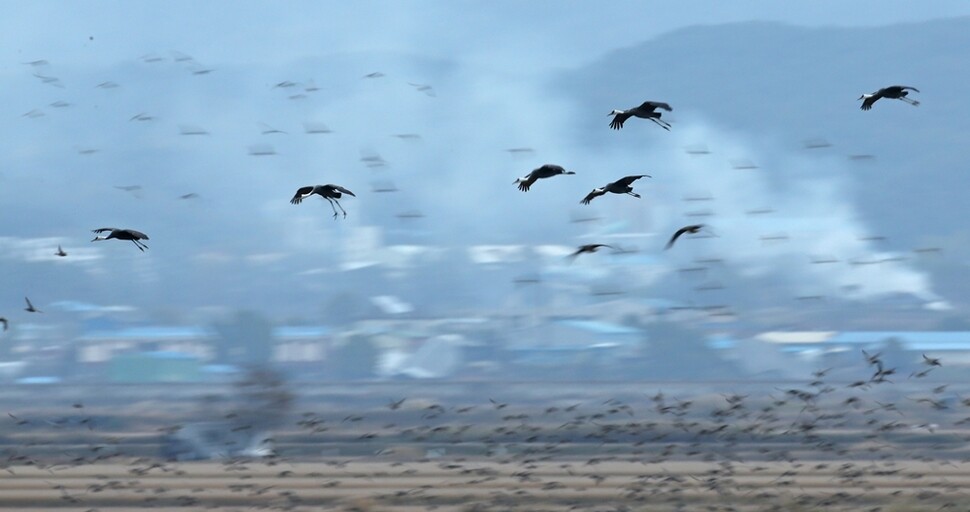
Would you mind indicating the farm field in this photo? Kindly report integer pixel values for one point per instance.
(463, 485)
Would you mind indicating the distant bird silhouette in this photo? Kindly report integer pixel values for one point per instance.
(693, 228)
(60, 252)
(620, 186)
(30, 307)
(329, 192)
(122, 234)
(4, 322)
(894, 92)
(646, 110)
(546, 171)
(589, 248)
(932, 361)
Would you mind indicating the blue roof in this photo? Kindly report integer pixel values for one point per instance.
(947, 338)
(301, 331)
(220, 368)
(169, 354)
(910, 340)
(149, 332)
(720, 342)
(38, 380)
(599, 327)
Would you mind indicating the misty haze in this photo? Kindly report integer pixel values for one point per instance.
(484, 256)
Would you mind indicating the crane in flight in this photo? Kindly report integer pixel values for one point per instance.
(135, 237)
(893, 92)
(329, 192)
(546, 171)
(590, 248)
(692, 229)
(646, 110)
(30, 307)
(620, 186)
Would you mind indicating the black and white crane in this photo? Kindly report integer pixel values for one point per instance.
(893, 92)
(620, 186)
(546, 171)
(646, 110)
(131, 235)
(329, 192)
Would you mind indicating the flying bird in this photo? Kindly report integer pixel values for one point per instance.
(329, 192)
(4, 322)
(932, 361)
(30, 307)
(693, 228)
(646, 110)
(546, 171)
(620, 186)
(589, 248)
(123, 234)
(60, 252)
(894, 92)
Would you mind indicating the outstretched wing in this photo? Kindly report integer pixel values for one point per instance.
(628, 180)
(653, 105)
(674, 238)
(300, 194)
(102, 230)
(618, 120)
(527, 181)
(595, 193)
(341, 189)
(867, 103)
(904, 87)
(29, 305)
(693, 228)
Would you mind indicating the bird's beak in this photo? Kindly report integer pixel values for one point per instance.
(861, 97)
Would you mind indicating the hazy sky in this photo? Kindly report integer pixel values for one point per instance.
(545, 32)
(491, 62)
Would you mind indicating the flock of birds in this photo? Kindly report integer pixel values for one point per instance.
(649, 110)
(811, 444)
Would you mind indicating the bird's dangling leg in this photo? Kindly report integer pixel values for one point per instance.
(138, 246)
(634, 194)
(662, 124)
(341, 209)
(912, 102)
(334, 209)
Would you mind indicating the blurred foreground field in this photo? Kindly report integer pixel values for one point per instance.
(785, 446)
